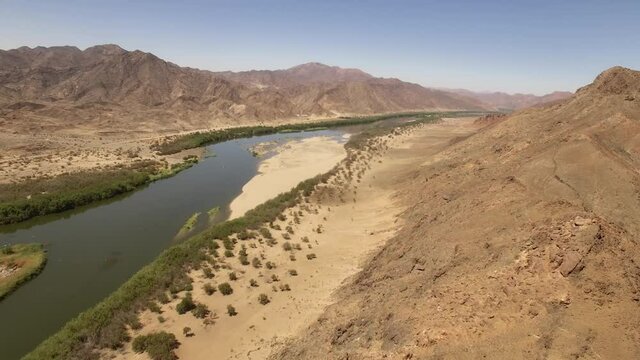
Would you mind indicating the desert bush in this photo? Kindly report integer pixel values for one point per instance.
(200, 311)
(185, 305)
(287, 246)
(228, 253)
(285, 287)
(244, 260)
(208, 273)
(286, 236)
(311, 256)
(270, 265)
(253, 283)
(225, 289)
(233, 276)
(209, 289)
(293, 272)
(263, 299)
(256, 263)
(231, 310)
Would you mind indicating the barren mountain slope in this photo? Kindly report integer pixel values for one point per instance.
(521, 242)
(106, 88)
(500, 100)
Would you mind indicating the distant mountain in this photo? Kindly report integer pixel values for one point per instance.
(108, 87)
(504, 101)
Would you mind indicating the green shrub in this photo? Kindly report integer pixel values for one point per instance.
(185, 305)
(287, 246)
(253, 283)
(225, 289)
(231, 310)
(233, 276)
(256, 263)
(200, 311)
(159, 345)
(228, 253)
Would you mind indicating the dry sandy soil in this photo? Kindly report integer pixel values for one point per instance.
(343, 224)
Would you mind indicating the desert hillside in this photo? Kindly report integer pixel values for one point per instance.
(106, 88)
(504, 101)
(520, 242)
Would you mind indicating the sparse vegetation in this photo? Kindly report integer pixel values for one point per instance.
(263, 299)
(231, 310)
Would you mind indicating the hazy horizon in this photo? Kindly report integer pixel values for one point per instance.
(498, 46)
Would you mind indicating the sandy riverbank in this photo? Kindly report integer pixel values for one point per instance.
(295, 161)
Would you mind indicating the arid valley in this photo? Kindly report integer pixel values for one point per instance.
(222, 193)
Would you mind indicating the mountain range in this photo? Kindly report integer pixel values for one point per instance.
(106, 87)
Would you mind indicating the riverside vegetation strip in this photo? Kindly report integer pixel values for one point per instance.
(19, 264)
(105, 325)
(20, 202)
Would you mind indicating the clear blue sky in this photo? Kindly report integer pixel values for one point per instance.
(513, 46)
